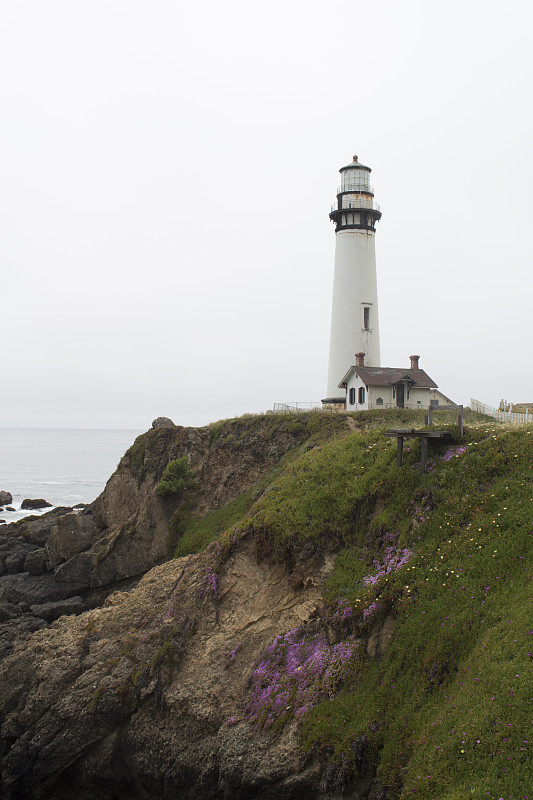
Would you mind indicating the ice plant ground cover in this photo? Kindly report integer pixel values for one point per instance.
(295, 673)
(447, 709)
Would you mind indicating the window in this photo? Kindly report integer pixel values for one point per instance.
(352, 397)
(379, 401)
(361, 394)
(433, 403)
(366, 318)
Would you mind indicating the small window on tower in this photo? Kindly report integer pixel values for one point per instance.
(366, 318)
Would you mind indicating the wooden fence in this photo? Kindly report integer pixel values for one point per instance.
(502, 416)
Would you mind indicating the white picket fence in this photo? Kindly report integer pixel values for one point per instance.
(502, 416)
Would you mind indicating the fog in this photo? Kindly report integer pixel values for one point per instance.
(167, 171)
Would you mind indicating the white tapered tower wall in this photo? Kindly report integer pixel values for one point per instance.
(354, 314)
(353, 329)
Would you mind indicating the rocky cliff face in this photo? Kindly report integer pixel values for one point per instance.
(145, 696)
(126, 677)
(68, 554)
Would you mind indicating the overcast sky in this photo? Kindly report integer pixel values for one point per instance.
(166, 175)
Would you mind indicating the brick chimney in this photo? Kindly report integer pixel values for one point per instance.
(359, 359)
(414, 362)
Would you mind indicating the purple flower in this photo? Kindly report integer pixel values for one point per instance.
(394, 560)
(295, 673)
(210, 582)
(370, 611)
(452, 452)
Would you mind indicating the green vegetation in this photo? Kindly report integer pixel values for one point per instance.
(194, 533)
(166, 649)
(136, 456)
(443, 560)
(446, 707)
(311, 424)
(198, 532)
(177, 476)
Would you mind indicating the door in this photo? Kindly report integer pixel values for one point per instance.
(400, 393)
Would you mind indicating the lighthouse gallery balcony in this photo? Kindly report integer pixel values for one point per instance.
(366, 203)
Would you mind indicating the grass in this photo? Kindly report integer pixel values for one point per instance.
(198, 532)
(308, 430)
(448, 706)
(445, 710)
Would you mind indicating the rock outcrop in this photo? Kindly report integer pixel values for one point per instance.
(147, 695)
(163, 422)
(67, 553)
(129, 678)
(5, 498)
(34, 505)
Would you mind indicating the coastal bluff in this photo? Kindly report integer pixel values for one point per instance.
(269, 607)
(76, 586)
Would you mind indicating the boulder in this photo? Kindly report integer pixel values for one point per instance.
(53, 610)
(163, 422)
(34, 504)
(15, 562)
(5, 498)
(13, 554)
(35, 589)
(72, 534)
(9, 611)
(37, 529)
(35, 562)
(10, 508)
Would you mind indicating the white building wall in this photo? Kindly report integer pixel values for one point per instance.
(383, 392)
(354, 286)
(418, 396)
(372, 393)
(441, 398)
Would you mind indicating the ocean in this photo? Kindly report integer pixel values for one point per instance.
(64, 466)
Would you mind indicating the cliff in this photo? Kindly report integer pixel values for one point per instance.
(344, 628)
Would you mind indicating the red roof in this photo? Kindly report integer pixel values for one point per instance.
(388, 376)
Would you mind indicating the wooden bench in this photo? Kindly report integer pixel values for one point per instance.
(424, 436)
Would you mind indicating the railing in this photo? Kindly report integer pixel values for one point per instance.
(502, 416)
(370, 204)
(298, 407)
(405, 406)
(351, 186)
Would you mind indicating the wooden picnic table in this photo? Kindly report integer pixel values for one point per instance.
(412, 433)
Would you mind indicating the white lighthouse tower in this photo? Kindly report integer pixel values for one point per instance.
(354, 315)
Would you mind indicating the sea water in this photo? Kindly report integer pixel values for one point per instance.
(64, 466)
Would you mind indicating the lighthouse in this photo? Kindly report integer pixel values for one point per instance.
(354, 314)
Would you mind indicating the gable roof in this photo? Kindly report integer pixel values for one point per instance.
(388, 376)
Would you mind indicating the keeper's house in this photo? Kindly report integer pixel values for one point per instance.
(387, 387)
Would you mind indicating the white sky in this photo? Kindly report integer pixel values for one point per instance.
(166, 174)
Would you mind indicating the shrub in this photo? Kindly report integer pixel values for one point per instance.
(177, 476)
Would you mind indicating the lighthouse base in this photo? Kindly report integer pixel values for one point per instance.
(334, 404)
